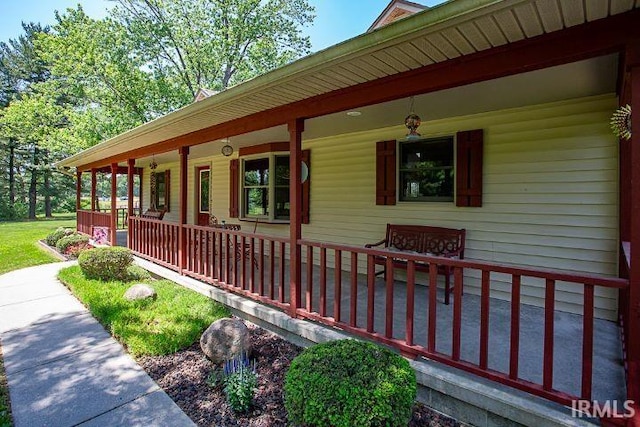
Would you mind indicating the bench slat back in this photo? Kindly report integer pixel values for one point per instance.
(437, 241)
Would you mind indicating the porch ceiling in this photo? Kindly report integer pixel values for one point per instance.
(445, 32)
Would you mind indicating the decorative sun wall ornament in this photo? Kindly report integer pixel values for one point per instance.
(412, 122)
(621, 122)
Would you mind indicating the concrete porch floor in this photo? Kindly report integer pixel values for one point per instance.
(608, 369)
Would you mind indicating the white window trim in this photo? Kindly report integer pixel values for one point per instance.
(271, 155)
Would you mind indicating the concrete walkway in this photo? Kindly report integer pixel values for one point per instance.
(63, 367)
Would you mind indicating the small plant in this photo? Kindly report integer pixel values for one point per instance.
(349, 383)
(239, 380)
(137, 273)
(215, 378)
(108, 263)
(57, 234)
(71, 240)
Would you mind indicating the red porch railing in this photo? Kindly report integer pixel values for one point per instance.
(256, 266)
(346, 317)
(86, 220)
(249, 264)
(155, 240)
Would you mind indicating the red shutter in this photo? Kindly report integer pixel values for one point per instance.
(469, 147)
(386, 173)
(306, 187)
(234, 188)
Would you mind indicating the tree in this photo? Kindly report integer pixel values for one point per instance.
(215, 43)
(21, 67)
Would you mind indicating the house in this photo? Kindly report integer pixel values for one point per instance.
(515, 97)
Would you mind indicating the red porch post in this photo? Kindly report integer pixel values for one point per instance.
(114, 213)
(182, 238)
(130, 169)
(94, 185)
(632, 59)
(78, 189)
(296, 127)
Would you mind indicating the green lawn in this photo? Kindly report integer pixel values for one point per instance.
(174, 321)
(18, 245)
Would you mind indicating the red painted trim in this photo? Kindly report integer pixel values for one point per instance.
(633, 302)
(269, 147)
(584, 41)
(234, 188)
(114, 204)
(78, 189)
(130, 175)
(514, 346)
(549, 311)
(94, 185)
(484, 319)
(469, 161)
(386, 172)
(587, 342)
(296, 127)
(182, 238)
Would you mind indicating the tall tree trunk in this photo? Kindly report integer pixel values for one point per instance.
(33, 187)
(12, 176)
(47, 186)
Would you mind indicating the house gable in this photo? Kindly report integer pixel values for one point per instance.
(397, 9)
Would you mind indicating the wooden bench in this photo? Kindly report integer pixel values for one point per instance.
(422, 239)
(153, 214)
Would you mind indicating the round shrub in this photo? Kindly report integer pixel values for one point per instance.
(74, 250)
(57, 234)
(71, 240)
(349, 383)
(108, 263)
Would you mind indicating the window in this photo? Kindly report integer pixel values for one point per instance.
(265, 187)
(426, 170)
(162, 190)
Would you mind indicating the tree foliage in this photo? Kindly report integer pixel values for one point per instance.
(82, 81)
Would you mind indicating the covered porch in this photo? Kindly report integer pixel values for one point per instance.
(550, 296)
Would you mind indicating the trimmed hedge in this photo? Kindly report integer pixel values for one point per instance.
(109, 263)
(71, 240)
(57, 234)
(348, 383)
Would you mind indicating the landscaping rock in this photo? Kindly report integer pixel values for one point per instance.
(225, 339)
(140, 291)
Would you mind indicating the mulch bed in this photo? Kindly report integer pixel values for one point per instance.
(183, 376)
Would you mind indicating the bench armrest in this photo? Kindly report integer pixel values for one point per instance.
(371, 245)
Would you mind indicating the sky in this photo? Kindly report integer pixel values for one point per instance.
(336, 20)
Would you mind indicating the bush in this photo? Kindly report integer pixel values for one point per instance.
(109, 263)
(66, 242)
(57, 234)
(349, 383)
(137, 273)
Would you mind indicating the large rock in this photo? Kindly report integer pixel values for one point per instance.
(225, 339)
(140, 291)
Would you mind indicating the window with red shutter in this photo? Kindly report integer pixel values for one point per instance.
(469, 149)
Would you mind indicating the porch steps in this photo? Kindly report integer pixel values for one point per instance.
(467, 398)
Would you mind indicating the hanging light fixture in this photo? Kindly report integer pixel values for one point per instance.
(412, 122)
(227, 149)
